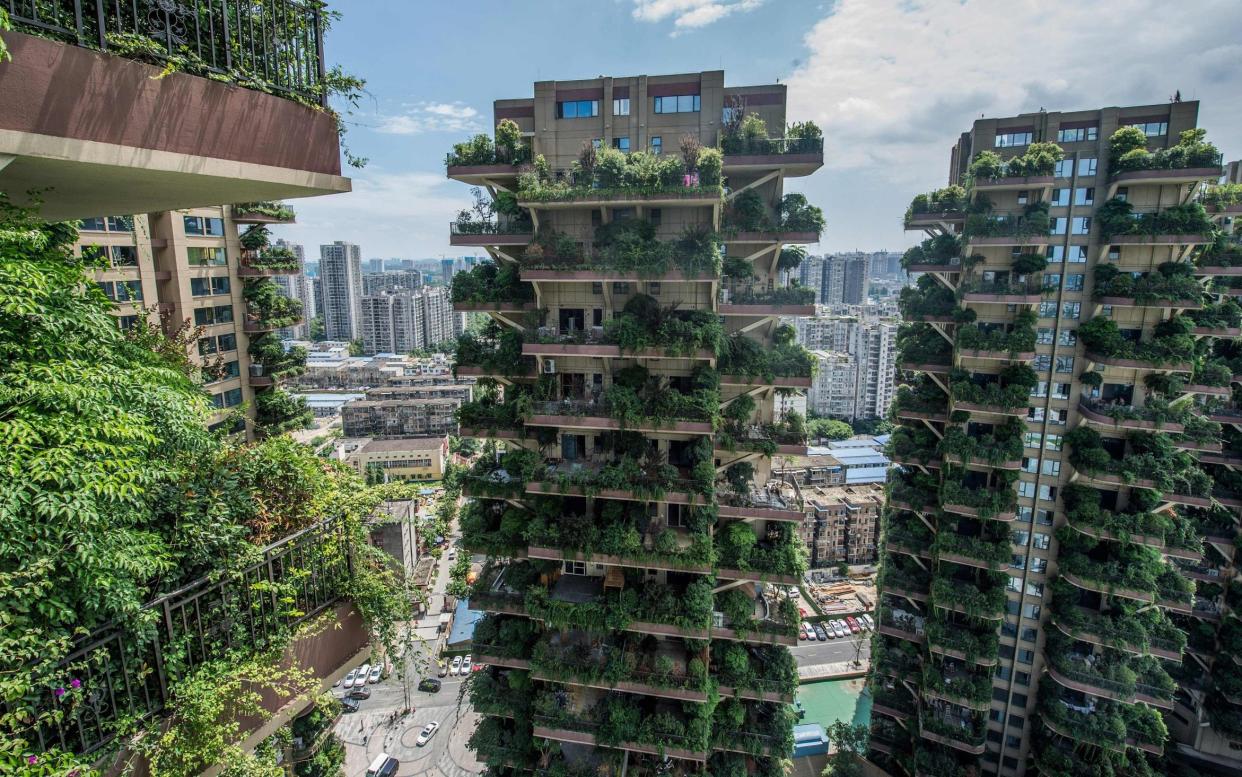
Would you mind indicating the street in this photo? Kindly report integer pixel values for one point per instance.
(833, 651)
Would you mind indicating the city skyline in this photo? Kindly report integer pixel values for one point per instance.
(889, 113)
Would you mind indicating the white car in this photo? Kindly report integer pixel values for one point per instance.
(376, 675)
(809, 631)
(870, 624)
(427, 733)
(455, 667)
(840, 628)
(466, 664)
(349, 678)
(360, 679)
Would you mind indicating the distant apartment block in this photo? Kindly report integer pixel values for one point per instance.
(404, 321)
(393, 280)
(340, 274)
(418, 458)
(842, 524)
(399, 417)
(857, 374)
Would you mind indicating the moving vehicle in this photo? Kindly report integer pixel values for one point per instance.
(349, 705)
(376, 675)
(384, 765)
(427, 733)
(429, 685)
(455, 669)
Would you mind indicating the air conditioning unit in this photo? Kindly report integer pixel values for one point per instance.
(549, 367)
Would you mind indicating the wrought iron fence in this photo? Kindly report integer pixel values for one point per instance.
(126, 670)
(273, 45)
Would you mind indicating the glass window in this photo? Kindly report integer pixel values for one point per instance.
(200, 287)
(1030, 465)
(1086, 165)
(193, 225)
(1031, 611)
(1021, 678)
(1052, 280)
(124, 256)
(657, 144)
(1067, 337)
(1052, 442)
(1015, 585)
(204, 256)
(1011, 139)
(1024, 197)
(120, 223)
(1081, 225)
(126, 323)
(1020, 537)
(1060, 197)
(621, 106)
(228, 342)
(1017, 562)
(1042, 362)
(1048, 493)
(206, 346)
(97, 224)
(1039, 565)
(1073, 282)
(1065, 364)
(1071, 310)
(1055, 253)
(1153, 129)
(1040, 389)
(1060, 390)
(1077, 135)
(1043, 335)
(1025, 489)
(1031, 439)
(1047, 310)
(1077, 254)
(1065, 168)
(1084, 195)
(1123, 193)
(220, 285)
(1050, 467)
(684, 103)
(622, 143)
(1056, 226)
(577, 109)
(1029, 634)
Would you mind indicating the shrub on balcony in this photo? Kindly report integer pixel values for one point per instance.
(272, 308)
(748, 358)
(1001, 445)
(921, 397)
(1130, 567)
(1152, 457)
(277, 411)
(1082, 507)
(1025, 264)
(630, 245)
(951, 199)
(1212, 372)
(270, 208)
(943, 249)
(1117, 217)
(1221, 196)
(268, 350)
(798, 215)
(1128, 152)
(622, 529)
(1172, 343)
(643, 323)
(480, 150)
(976, 643)
(1032, 222)
(1039, 159)
(961, 685)
(491, 283)
(991, 546)
(1012, 390)
(989, 502)
(610, 172)
(1019, 339)
(496, 349)
(910, 443)
(920, 343)
(1221, 252)
(977, 602)
(926, 298)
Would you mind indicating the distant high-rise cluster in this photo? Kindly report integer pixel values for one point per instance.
(403, 320)
(340, 273)
(857, 363)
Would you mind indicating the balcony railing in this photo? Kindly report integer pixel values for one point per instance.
(490, 228)
(277, 45)
(737, 146)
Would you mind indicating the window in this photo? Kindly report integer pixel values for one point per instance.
(657, 144)
(124, 256)
(120, 224)
(621, 106)
(200, 256)
(597, 287)
(653, 289)
(1052, 280)
(1021, 678)
(622, 143)
(1123, 193)
(1032, 439)
(1071, 310)
(1077, 255)
(1024, 197)
(228, 342)
(1042, 540)
(1017, 562)
(654, 216)
(1024, 657)
(1047, 310)
(1080, 225)
(1060, 390)
(1065, 364)
(1077, 135)
(1084, 195)
(577, 109)
(227, 370)
(682, 103)
(1015, 585)
(1048, 493)
(1086, 165)
(1073, 282)
(230, 398)
(1056, 226)
(574, 567)
(1043, 517)
(1153, 129)
(1030, 465)
(1034, 589)
(1060, 198)
(1011, 139)
(1056, 417)
(1039, 565)
(1031, 611)
(620, 287)
(1065, 168)
(1026, 490)
(1052, 442)
(220, 314)
(1042, 363)
(126, 323)
(1040, 389)
(204, 225)
(1043, 335)
(122, 291)
(1019, 537)
(97, 224)
(597, 144)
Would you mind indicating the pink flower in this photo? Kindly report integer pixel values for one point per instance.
(32, 759)
(59, 692)
(75, 683)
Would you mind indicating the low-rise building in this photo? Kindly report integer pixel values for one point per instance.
(414, 458)
(842, 523)
(856, 461)
(400, 417)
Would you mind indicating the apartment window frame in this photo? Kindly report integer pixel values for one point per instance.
(681, 103)
(657, 144)
(564, 111)
(620, 106)
(1013, 139)
(1078, 134)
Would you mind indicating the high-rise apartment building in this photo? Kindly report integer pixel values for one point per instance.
(404, 321)
(649, 560)
(393, 280)
(297, 286)
(1058, 589)
(834, 386)
(857, 356)
(340, 275)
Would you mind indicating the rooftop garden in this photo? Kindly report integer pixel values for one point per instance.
(950, 199)
(748, 212)
(1011, 390)
(783, 357)
(1032, 222)
(1020, 338)
(110, 427)
(1117, 217)
(746, 134)
(491, 283)
(1039, 159)
(1151, 457)
(1171, 343)
(507, 149)
(1127, 152)
(607, 173)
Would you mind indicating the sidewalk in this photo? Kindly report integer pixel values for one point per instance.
(835, 670)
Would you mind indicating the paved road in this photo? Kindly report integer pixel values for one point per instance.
(834, 650)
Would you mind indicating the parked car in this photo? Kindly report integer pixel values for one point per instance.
(376, 675)
(349, 678)
(852, 625)
(820, 632)
(808, 631)
(429, 685)
(868, 622)
(802, 632)
(360, 692)
(427, 733)
(465, 664)
(349, 705)
(452, 555)
(455, 668)
(838, 628)
(361, 677)
(443, 668)
(843, 628)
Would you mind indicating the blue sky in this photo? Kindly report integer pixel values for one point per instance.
(891, 82)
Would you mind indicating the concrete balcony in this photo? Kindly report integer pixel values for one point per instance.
(946, 221)
(801, 238)
(101, 134)
(1016, 183)
(481, 234)
(609, 275)
(794, 157)
(1181, 176)
(778, 381)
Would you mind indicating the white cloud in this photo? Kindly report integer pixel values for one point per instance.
(388, 214)
(893, 82)
(690, 14)
(423, 117)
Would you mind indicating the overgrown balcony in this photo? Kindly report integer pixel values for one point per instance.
(984, 545)
(497, 692)
(628, 722)
(941, 253)
(907, 535)
(1223, 256)
(961, 730)
(1153, 461)
(1121, 224)
(621, 533)
(942, 206)
(1165, 531)
(492, 526)
(625, 250)
(267, 308)
(994, 341)
(628, 662)
(642, 328)
(1129, 571)
(920, 347)
(900, 577)
(914, 446)
(934, 761)
(505, 637)
(973, 642)
(483, 156)
(984, 599)
(754, 671)
(1108, 674)
(957, 683)
(263, 212)
(1172, 285)
(501, 476)
(609, 175)
(625, 477)
(1006, 292)
(923, 400)
(994, 446)
(1157, 414)
(768, 617)
(1191, 160)
(738, 299)
(912, 492)
(893, 700)
(504, 741)
(1222, 198)
(1099, 722)
(788, 436)
(1008, 394)
(753, 727)
(257, 71)
(928, 301)
(492, 287)
(997, 502)
(778, 555)
(902, 624)
(275, 361)
(897, 659)
(782, 362)
(1125, 626)
(733, 145)
(496, 352)
(1026, 170)
(1029, 226)
(793, 220)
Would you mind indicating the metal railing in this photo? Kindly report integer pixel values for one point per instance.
(127, 670)
(770, 146)
(273, 44)
(479, 227)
